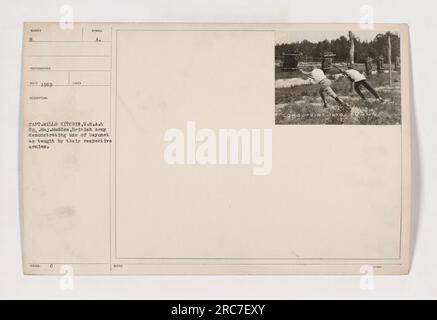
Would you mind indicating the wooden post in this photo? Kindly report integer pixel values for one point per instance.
(389, 60)
(352, 54)
(351, 47)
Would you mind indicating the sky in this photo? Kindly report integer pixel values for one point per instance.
(316, 36)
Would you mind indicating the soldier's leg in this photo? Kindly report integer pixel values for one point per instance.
(345, 108)
(371, 89)
(357, 87)
(322, 94)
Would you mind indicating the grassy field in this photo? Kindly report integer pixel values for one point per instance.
(303, 105)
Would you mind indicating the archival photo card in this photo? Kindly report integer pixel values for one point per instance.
(153, 148)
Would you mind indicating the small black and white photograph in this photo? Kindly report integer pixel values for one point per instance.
(338, 77)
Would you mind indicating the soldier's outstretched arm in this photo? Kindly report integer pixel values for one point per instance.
(340, 69)
(308, 74)
(345, 73)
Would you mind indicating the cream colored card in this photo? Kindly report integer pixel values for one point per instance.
(208, 149)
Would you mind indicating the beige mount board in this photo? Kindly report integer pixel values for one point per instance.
(159, 148)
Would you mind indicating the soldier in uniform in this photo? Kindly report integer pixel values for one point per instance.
(359, 81)
(325, 89)
(398, 64)
(380, 64)
(369, 66)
